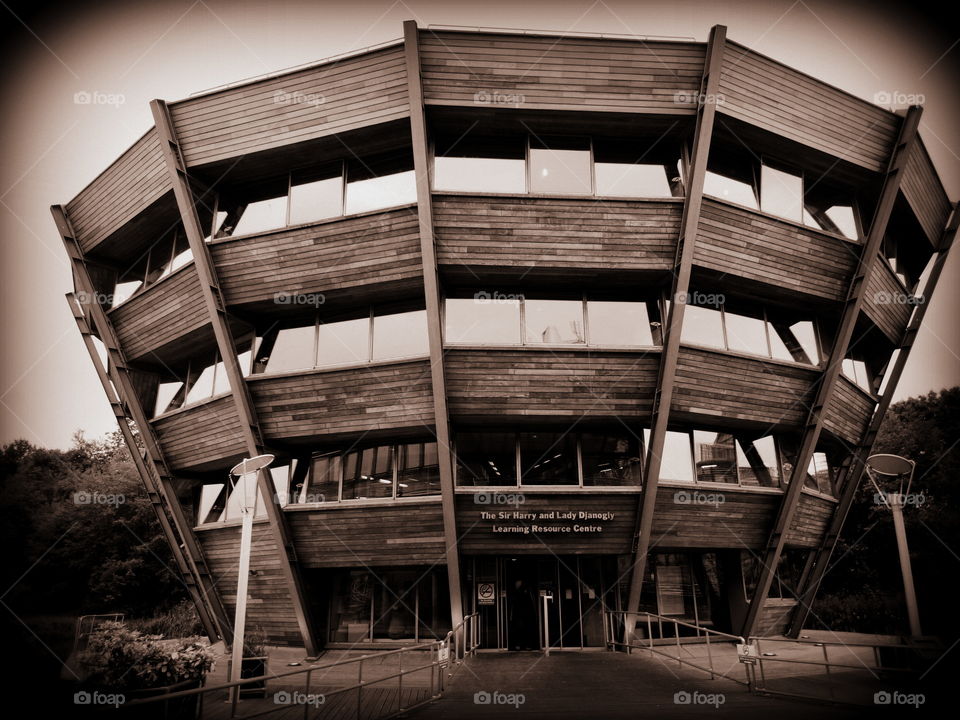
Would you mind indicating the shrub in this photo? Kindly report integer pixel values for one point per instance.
(180, 621)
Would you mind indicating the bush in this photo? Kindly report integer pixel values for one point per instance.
(122, 659)
(865, 612)
(180, 621)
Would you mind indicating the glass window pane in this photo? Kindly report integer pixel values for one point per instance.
(324, 485)
(563, 168)
(221, 382)
(553, 321)
(548, 459)
(797, 342)
(844, 219)
(263, 215)
(472, 320)
(715, 456)
(726, 188)
(281, 483)
(123, 290)
(368, 473)
(211, 504)
(619, 323)
(818, 473)
(316, 200)
(486, 459)
(401, 335)
(757, 462)
(610, 459)
(169, 396)
(781, 193)
(293, 350)
(201, 383)
(702, 326)
(480, 174)
(746, 334)
(632, 180)
(419, 470)
(381, 192)
(676, 461)
(343, 343)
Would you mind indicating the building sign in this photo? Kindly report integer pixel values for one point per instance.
(546, 522)
(486, 593)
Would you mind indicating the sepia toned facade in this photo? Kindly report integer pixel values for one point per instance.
(611, 319)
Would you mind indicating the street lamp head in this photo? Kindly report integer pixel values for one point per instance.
(246, 484)
(890, 469)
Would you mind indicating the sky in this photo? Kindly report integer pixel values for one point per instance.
(131, 52)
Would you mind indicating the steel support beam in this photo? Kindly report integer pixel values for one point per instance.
(828, 380)
(690, 220)
(431, 288)
(817, 563)
(243, 402)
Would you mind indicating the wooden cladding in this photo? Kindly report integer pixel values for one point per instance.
(500, 70)
(716, 517)
(345, 536)
(810, 521)
(268, 603)
(535, 234)
(735, 387)
(849, 411)
(335, 255)
(160, 314)
(119, 193)
(886, 301)
(607, 529)
(923, 190)
(201, 436)
(505, 383)
(332, 98)
(743, 243)
(354, 400)
(774, 97)
(775, 616)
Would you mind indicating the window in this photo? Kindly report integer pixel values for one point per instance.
(715, 455)
(558, 322)
(324, 482)
(368, 473)
(796, 341)
(293, 349)
(610, 459)
(419, 469)
(560, 166)
(856, 371)
(625, 169)
(204, 378)
(165, 256)
(262, 215)
(482, 321)
(343, 343)
(703, 326)
(484, 165)
(375, 193)
(614, 323)
(400, 335)
(486, 459)
(548, 459)
(746, 333)
(316, 199)
(719, 457)
(757, 462)
(820, 474)
(781, 193)
(730, 189)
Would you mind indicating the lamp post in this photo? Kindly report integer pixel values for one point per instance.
(898, 470)
(245, 488)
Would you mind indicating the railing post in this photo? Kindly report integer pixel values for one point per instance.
(359, 686)
(306, 692)
(709, 655)
(400, 684)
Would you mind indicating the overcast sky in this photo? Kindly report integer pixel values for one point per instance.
(53, 147)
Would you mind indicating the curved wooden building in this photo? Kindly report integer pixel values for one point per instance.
(609, 319)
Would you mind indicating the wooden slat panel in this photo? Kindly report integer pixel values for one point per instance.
(764, 93)
(848, 411)
(129, 185)
(810, 521)
(208, 433)
(741, 243)
(572, 73)
(268, 604)
(775, 616)
(344, 253)
(545, 233)
(160, 314)
(479, 534)
(924, 191)
(886, 303)
(344, 536)
(711, 517)
(381, 396)
(555, 383)
(343, 95)
(733, 387)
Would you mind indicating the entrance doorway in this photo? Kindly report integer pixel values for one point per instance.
(534, 602)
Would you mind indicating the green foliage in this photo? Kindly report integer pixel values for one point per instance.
(122, 659)
(178, 622)
(255, 642)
